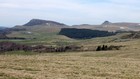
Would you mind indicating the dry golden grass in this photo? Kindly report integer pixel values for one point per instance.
(122, 64)
(86, 65)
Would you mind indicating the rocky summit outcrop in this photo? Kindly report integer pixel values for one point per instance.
(34, 22)
(106, 23)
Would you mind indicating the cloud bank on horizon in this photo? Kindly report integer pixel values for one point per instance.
(14, 12)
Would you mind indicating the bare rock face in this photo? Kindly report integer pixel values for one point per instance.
(34, 22)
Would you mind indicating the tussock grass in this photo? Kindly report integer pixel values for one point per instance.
(83, 65)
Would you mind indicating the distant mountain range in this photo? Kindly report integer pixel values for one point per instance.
(2, 27)
(107, 25)
(125, 26)
(35, 22)
(38, 27)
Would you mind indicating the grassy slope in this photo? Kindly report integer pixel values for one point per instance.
(122, 64)
(49, 36)
(43, 34)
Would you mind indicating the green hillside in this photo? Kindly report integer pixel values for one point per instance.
(84, 64)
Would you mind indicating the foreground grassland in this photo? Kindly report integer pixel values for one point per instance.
(119, 64)
(82, 65)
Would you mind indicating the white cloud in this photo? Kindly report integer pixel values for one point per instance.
(8, 5)
(128, 2)
(71, 11)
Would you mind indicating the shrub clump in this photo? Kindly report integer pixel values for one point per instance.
(105, 47)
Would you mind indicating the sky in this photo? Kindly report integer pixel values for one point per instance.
(70, 12)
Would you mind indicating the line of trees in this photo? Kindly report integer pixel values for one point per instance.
(84, 33)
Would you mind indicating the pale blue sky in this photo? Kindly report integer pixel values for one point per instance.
(18, 12)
